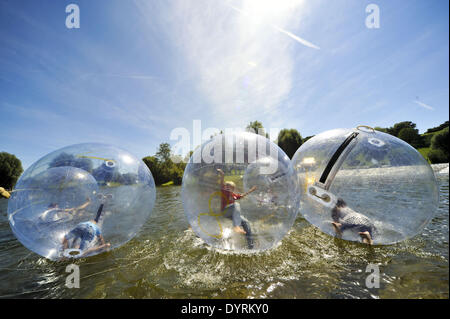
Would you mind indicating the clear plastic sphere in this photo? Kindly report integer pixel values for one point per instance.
(80, 201)
(364, 185)
(270, 187)
(240, 193)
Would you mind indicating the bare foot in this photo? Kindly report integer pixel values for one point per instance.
(366, 238)
(337, 227)
(239, 230)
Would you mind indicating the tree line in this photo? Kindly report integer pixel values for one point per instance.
(169, 169)
(166, 168)
(433, 144)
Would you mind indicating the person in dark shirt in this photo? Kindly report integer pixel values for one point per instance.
(345, 218)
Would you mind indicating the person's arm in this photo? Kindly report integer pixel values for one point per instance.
(82, 206)
(94, 249)
(65, 243)
(249, 191)
(103, 245)
(102, 240)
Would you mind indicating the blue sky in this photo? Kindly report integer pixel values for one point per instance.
(135, 70)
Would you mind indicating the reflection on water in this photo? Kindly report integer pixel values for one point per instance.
(167, 260)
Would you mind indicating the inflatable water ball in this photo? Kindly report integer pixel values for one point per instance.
(80, 201)
(364, 185)
(239, 192)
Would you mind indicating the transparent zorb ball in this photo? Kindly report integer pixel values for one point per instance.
(360, 184)
(80, 201)
(270, 185)
(239, 192)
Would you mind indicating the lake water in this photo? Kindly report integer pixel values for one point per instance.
(167, 260)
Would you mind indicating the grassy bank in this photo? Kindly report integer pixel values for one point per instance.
(424, 151)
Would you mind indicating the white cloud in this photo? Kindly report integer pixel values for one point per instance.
(261, 18)
(123, 76)
(239, 59)
(423, 105)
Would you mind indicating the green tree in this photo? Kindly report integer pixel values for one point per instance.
(438, 128)
(410, 136)
(307, 138)
(163, 168)
(163, 153)
(176, 174)
(395, 130)
(10, 170)
(289, 140)
(437, 156)
(439, 152)
(257, 128)
(440, 141)
(381, 129)
(154, 166)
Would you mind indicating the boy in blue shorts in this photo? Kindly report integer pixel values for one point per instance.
(86, 236)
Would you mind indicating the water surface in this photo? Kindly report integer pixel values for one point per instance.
(167, 260)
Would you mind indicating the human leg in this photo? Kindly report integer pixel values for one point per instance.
(248, 232)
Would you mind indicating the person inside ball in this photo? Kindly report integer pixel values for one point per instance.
(86, 237)
(345, 218)
(54, 213)
(232, 210)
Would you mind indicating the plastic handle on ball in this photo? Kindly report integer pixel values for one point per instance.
(336, 156)
(359, 127)
(99, 212)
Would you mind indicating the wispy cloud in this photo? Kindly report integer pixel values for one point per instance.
(423, 105)
(289, 34)
(238, 63)
(123, 76)
(226, 62)
(297, 38)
